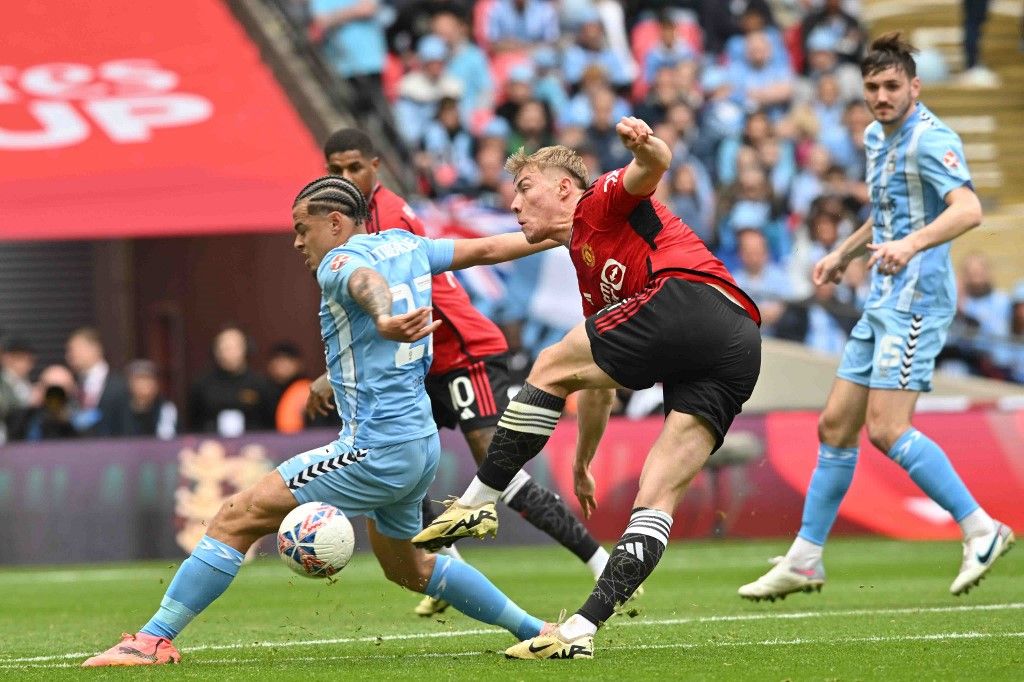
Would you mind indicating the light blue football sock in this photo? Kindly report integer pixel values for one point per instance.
(469, 590)
(200, 579)
(829, 483)
(931, 470)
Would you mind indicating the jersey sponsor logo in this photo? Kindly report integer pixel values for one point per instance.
(587, 252)
(612, 276)
(950, 160)
(611, 179)
(338, 262)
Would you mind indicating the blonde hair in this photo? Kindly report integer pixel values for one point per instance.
(557, 156)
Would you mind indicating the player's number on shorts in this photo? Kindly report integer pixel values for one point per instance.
(890, 350)
(461, 389)
(411, 352)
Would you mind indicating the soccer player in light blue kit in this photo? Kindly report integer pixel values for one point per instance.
(375, 321)
(922, 199)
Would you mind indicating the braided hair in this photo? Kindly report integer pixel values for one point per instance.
(334, 193)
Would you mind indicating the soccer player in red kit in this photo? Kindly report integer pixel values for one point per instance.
(660, 308)
(468, 383)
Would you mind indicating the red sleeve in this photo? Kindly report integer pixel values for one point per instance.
(612, 197)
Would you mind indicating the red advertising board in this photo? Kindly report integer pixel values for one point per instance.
(139, 118)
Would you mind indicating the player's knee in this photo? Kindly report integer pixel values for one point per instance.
(832, 428)
(240, 514)
(883, 433)
(414, 576)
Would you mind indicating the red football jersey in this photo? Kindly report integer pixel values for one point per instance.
(620, 243)
(465, 335)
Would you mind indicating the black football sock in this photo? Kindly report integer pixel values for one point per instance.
(547, 512)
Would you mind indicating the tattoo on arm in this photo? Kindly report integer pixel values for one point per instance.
(370, 290)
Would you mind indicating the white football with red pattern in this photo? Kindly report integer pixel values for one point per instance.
(316, 540)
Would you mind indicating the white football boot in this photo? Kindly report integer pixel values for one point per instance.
(784, 578)
(979, 555)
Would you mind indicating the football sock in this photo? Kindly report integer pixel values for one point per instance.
(547, 512)
(576, 626)
(931, 470)
(829, 483)
(976, 524)
(429, 515)
(597, 562)
(522, 431)
(804, 553)
(200, 579)
(469, 590)
(632, 560)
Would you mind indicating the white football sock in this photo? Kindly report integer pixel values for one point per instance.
(576, 626)
(976, 524)
(597, 562)
(804, 553)
(477, 493)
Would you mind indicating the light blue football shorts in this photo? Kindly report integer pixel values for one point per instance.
(386, 484)
(894, 350)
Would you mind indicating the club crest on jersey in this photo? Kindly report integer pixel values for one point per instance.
(950, 160)
(338, 262)
(587, 252)
(613, 274)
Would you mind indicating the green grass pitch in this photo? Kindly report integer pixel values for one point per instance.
(885, 613)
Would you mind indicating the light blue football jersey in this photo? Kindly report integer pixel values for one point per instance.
(378, 384)
(909, 175)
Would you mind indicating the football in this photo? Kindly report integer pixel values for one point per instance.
(316, 540)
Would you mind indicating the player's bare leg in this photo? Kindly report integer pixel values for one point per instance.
(679, 453)
(524, 428)
(244, 518)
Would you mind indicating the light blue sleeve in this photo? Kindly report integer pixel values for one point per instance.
(335, 270)
(440, 253)
(318, 7)
(940, 158)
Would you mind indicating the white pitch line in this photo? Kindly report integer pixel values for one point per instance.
(875, 639)
(490, 631)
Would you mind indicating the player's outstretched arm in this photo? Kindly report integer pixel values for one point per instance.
(592, 410)
(651, 156)
(371, 292)
(496, 249)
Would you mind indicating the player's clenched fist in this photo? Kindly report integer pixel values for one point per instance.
(633, 131)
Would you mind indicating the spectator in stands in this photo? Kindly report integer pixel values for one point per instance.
(720, 118)
(823, 60)
(663, 93)
(580, 112)
(670, 49)
(231, 399)
(754, 20)
(467, 63)
(810, 181)
(758, 81)
(985, 309)
(750, 203)
(591, 49)
(532, 128)
(692, 198)
(765, 282)
(548, 86)
(775, 156)
(413, 21)
(490, 163)
(821, 322)
(520, 25)
(975, 13)
(17, 359)
(104, 393)
(54, 407)
(844, 29)
(518, 91)
(447, 159)
(611, 153)
(150, 414)
(820, 232)
(353, 42)
(1015, 367)
(420, 90)
(721, 20)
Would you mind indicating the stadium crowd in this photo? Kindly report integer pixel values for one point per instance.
(764, 116)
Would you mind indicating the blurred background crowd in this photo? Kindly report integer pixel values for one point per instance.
(759, 101)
